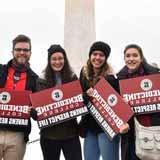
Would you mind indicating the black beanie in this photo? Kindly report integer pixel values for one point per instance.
(55, 48)
(100, 46)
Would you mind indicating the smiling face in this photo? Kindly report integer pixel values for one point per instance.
(132, 59)
(57, 61)
(21, 52)
(97, 59)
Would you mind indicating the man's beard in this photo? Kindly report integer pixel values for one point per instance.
(22, 61)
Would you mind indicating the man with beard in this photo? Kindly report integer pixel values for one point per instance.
(16, 75)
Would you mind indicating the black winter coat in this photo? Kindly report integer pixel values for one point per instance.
(63, 130)
(30, 85)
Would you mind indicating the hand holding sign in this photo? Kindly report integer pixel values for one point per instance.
(90, 92)
(124, 128)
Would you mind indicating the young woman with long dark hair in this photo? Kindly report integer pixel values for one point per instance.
(63, 136)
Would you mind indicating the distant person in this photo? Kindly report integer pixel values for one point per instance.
(136, 66)
(16, 75)
(64, 136)
(96, 142)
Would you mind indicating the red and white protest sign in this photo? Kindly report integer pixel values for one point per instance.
(108, 108)
(142, 93)
(58, 104)
(14, 107)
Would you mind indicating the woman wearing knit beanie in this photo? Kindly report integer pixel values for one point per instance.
(63, 136)
(96, 142)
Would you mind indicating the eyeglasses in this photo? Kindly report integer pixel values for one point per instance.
(22, 49)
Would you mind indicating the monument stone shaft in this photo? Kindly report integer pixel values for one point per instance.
(79, 30)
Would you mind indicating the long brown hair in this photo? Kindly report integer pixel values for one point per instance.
(88, 72)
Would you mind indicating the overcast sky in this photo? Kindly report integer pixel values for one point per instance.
(118, 22)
